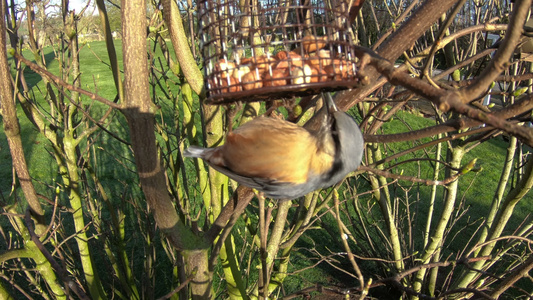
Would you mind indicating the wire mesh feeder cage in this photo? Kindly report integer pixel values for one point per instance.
(270, 49)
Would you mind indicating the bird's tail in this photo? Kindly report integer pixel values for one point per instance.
(194, 151)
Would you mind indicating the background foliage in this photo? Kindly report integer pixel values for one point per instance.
(98, 202)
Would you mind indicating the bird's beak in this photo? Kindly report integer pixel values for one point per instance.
(330, 104)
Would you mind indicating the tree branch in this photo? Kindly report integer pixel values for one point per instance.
(444, 100)
(182, 48)
(41, 71)
(61, 272)
(139, 112)
(12, 129)
(522, 105)
(401, 40)
(501, 58)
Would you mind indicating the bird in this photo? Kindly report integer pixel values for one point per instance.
(285, 161)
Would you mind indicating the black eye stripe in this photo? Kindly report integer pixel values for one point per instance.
(337, 163)
(335, 135)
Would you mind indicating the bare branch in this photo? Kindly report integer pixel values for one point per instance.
(501, 58)
(12, 129)
(445, 100)
(60, 82)
(517, 274)
(61, 272)
(410, 178)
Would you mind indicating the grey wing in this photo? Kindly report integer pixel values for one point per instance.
(255, 183)
(272, 188)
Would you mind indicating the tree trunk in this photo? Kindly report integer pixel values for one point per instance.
(139, 111)
(12, 130)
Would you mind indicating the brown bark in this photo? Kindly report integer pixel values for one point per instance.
(401, 40)
(182, 48)
(12, 130)
(139, 111)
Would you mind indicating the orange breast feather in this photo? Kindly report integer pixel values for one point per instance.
(272, 149)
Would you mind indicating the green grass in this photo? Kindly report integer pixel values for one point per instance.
(477, 189)
(96, 77)
(96, 73)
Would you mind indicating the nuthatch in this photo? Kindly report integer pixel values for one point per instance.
(286, 161)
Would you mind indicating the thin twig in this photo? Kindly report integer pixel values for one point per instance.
(411, 178)
(61, 272)
(501, 58)
(344, 239)
(444, 100)
(180, 287)
(41, 71)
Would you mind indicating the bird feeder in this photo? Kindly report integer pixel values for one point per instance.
(270, 49)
